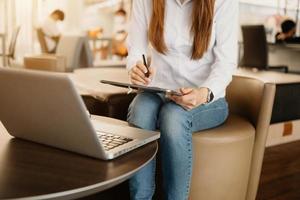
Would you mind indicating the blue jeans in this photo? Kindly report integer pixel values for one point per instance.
(153, 111)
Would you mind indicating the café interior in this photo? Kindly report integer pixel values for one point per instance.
(253, 155)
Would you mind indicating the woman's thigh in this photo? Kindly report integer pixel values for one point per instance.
(174, 118)
(209, 115)
(143, 110)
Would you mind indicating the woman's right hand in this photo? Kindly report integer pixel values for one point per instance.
(138, 74)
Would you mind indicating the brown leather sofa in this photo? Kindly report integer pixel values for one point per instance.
(228, 158)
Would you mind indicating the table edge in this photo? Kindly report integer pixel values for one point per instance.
(91, 189)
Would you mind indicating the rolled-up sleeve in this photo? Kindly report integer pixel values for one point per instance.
(137, 40)
(226, 47)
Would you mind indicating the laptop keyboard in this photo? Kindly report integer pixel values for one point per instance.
(111, 141)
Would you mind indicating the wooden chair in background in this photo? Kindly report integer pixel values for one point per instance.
(10, 55)
(42, 40)
(256, 49)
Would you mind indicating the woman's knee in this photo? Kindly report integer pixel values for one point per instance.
(174, 120)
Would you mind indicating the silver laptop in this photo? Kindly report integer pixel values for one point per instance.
(45, 108)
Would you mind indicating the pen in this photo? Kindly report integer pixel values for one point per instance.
(145, 63)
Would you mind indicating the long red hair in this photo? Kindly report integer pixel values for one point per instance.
(201, 26)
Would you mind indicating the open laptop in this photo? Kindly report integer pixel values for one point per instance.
(45, 108)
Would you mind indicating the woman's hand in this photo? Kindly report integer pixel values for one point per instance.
(137, 74)
(191, 98)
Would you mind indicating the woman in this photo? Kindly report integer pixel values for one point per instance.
(193, 46)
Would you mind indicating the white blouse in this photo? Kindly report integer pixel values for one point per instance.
(176, 69)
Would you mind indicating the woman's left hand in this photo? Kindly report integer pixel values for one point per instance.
(191, 97)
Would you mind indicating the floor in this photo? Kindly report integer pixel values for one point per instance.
(280, 179)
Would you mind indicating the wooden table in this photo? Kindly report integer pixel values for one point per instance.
(87, 81)
(102, 99)
(281, 54)
(110, 63)
(33, 171)
(293, 46)
(285, 54)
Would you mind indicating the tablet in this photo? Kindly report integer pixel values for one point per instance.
(142, 87)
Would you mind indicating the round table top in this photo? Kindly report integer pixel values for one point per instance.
(87, 81)
(33, 171)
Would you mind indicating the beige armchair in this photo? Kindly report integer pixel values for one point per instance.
(228, 159)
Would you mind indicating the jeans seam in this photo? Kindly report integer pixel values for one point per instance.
(189, 145)
(153, 172)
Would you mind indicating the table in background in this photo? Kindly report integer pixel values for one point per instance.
(110, 63)
(281, 54)
(102, 99)
(285, 54)
(37, 171)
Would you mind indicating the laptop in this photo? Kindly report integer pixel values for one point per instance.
(45, 107)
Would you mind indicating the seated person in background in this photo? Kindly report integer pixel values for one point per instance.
(287, 35)
(51, 30)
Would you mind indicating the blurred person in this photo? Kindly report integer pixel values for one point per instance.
(120, 33)
(51, 30)
(288, 28)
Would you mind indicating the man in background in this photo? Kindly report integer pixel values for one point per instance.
(51, 30)
(287, 35)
